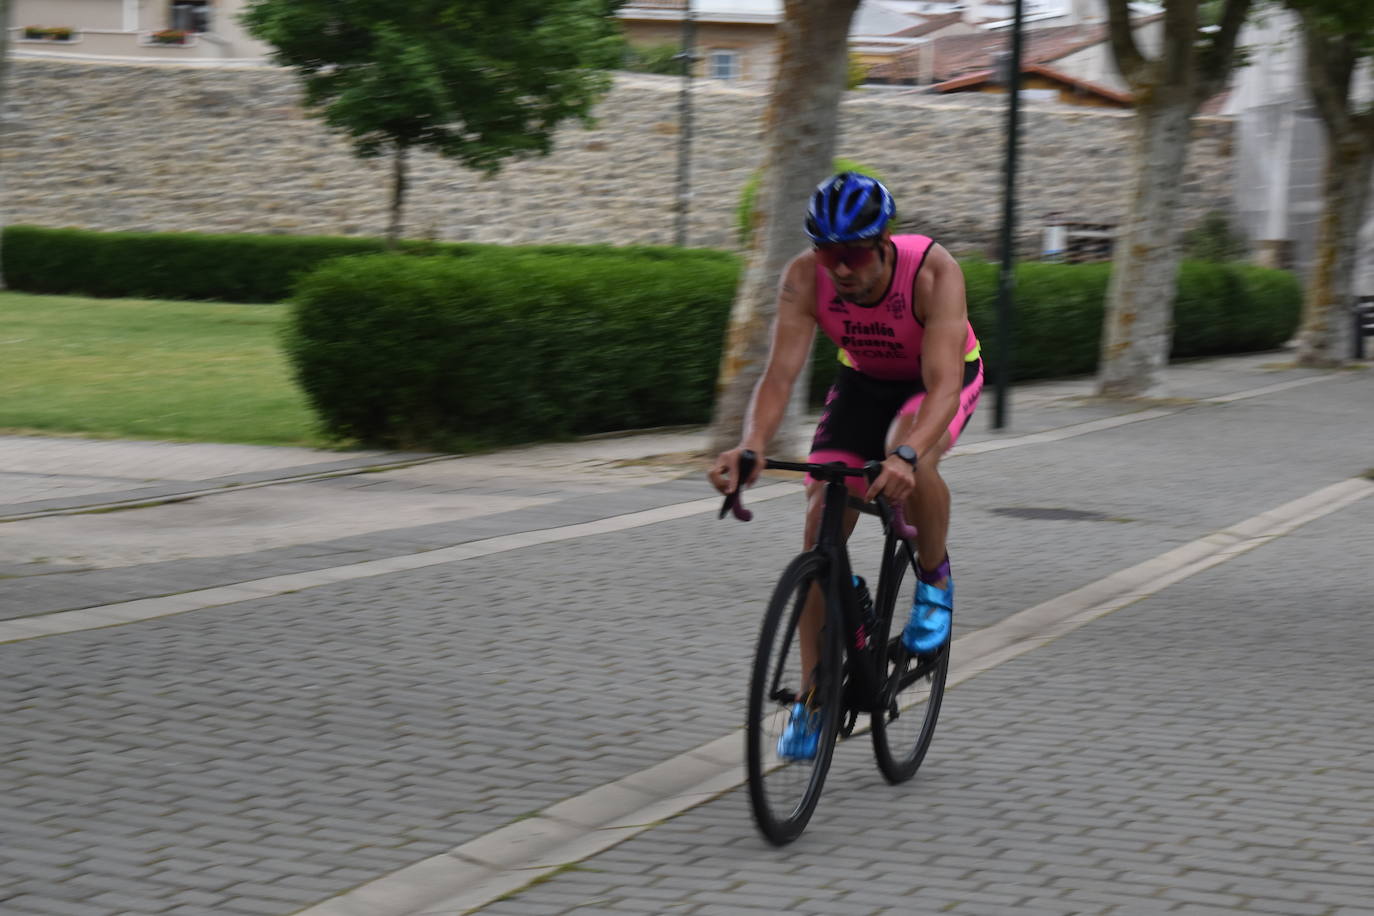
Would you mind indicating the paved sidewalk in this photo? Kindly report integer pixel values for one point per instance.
(385, 699)
(356, 504)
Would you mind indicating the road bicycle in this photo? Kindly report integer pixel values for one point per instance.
(863, 667)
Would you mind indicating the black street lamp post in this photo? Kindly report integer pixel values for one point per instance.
(684, 143)
(1007, 286)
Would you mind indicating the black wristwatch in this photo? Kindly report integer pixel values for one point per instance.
(907, 454)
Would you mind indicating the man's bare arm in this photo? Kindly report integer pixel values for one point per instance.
(794, 329)
(942, 349)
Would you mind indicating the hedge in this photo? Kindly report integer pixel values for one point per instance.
(565, 339)
(223, 268)
(445, 352)
(166, 265)
(1057, 325)
(458, 352)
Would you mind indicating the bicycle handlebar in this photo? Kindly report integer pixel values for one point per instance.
(891, 515)
(734, 502)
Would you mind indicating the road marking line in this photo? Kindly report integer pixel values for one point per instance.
(1154, 413)
(122, 612)
(489, 867)
(1063, 432)
(1268, 389)
(993, 445)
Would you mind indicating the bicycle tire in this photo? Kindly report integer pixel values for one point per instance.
(900, 751)
(777, 664)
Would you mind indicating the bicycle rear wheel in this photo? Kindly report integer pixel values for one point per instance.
(913, 687)
(783, 794)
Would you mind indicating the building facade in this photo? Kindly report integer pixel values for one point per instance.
(173, 30)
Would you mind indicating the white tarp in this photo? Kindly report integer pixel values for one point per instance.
(1281, 145)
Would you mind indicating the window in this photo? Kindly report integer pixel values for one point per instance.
(723, 65)
(190, 15)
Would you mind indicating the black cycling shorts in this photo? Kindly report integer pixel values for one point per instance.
(859, 409)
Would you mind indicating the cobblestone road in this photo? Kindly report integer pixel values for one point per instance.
(1205, 748)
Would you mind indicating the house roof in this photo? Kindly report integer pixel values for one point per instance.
(875, 18)
(983, 77)
(932, 24)
(955, 55)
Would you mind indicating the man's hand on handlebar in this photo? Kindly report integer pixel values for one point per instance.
(724, 474)
(896, 481)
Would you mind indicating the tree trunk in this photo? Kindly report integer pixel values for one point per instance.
(1191, 67)
(1324, 339)
(1138, 330)
(801, 132)
(398, 193)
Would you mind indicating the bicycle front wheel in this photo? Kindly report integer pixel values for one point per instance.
(912, 691)
(783, 792)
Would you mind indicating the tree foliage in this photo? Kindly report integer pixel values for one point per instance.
(1195, 63)
(1215, 239)
(1352, 20)
(1339, 37)
(856, 73)
(477, 81)
(663, 59)
(744, 211)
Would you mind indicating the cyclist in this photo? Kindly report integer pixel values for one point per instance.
(908, 383)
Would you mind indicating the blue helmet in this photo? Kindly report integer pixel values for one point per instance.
(848, 207)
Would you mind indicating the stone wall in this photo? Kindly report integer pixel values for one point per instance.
(125, 147)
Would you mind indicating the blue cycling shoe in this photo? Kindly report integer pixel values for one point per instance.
(932, 615)
(802, 735)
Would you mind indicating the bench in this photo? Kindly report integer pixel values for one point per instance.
(1364, 322)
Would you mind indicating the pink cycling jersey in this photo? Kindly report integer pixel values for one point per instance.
(882, 340)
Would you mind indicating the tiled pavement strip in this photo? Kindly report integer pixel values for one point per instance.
(345, 609)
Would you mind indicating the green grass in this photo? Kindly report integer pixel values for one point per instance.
(143, 369)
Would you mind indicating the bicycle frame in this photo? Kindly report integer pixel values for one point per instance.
(866, 663)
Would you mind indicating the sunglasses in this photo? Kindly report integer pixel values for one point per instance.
(855, 257)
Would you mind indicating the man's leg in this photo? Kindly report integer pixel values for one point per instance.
(928, 627)
(928, 506)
